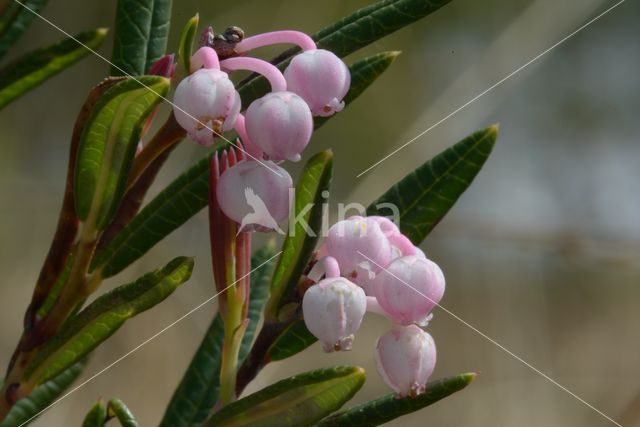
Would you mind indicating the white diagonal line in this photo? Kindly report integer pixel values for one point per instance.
(497, 344)
(142, 84)
(490, 88)
(151, 338)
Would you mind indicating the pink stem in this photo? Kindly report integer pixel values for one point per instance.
(270, 71)
(251, 149)
(276, 37)
(326, 266)
(374, 307)
(204, 57)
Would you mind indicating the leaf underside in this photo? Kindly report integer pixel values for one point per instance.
(141, 32)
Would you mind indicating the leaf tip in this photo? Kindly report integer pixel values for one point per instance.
(469, 377)
(360, 373)
(102, 31)
(494, 129)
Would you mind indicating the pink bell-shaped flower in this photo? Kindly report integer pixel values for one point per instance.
(321, 79)
(405, 358)
(280, 124)
(333, 310)
(255, 194)
(360, 247)
(409, 288)
(206, 104)
(400, 244)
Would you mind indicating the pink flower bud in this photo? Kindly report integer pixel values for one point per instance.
(321, 79)
(360, 247)
(280, 124)
(405, 358)
(206, 104)
(255, 195)
(409, 288)
(165, 66)
(333, 310)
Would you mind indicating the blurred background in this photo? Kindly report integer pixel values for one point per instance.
(542, 253)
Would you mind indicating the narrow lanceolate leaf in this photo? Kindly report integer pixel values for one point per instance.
(291, 341)
(363, 74)
(41, 397)
(15, 19)
(178, 202)
(105, 316)
(386, 408)
(117, 409)
(297, 401)
(97, 415)
(353, 32)
(197, 393)
(30, 70)
(108, 144)
(187, 38)
(140, 38)
(304, 229)
(425, 195)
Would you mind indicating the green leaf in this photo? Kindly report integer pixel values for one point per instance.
(41, 397)
(198, 391)
(389, 407)
(105, 316)
(297, 401)
(15, 19)
(425, 195)
(119, 410)
(188, 36)
(291, 341)
(52, 296)
(141, 31)
(32, 69)
(97, 415)
(178, 202)
(353, 32)
(363, 74)
(108, 143)
(301, 241)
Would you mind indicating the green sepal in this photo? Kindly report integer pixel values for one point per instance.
(187, 38)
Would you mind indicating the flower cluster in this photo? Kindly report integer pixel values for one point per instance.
(274, 128)
(367, 264)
